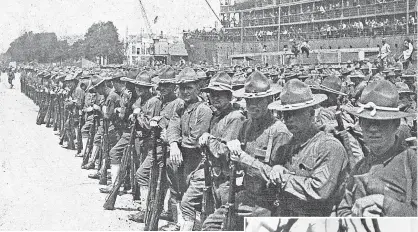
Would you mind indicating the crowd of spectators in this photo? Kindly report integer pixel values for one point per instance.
(315, 11)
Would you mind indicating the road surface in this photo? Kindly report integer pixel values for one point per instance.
(42, 186)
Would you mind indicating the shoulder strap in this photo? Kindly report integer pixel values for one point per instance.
(269, 145)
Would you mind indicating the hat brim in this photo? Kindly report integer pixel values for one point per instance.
(182, 82)
(326, 89)
(408, 76)
(240, 93)
(141, 83)
(277, 105)
(215, 88)
(380, 115)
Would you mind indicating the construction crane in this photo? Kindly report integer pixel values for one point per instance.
(145, 17)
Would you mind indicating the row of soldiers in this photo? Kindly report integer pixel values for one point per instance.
(239, 142)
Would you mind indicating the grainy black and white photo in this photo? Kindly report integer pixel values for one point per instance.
(208, 115)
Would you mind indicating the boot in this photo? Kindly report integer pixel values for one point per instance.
(140, 216)
(90, 164)
(114, 171)
(187, 225)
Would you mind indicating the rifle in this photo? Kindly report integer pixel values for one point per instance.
(105, 152)
(157, 206)
(42, 108)
(111, 197)
(90, 141)
(50, 110)
(79, 138)
(207, 201)
(343, 137)
(153, 180)
(229, 220)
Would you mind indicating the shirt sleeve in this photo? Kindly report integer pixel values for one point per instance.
(174, 127)
(230, 133)
(395, 208)
(321, 184)
(151, 108)
(200, 125)
(256, 168)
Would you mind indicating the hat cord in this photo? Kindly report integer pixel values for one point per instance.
(374, 108)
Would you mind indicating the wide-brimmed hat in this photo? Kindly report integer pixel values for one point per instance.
(201, 75)
(238, 80)
(96, 80)
(408, 74)
(332, 84)
(379, 101)
(345, 71)
(70, 77)
(143, 79)
(220, 82)
(359, 75)
(115, 76)
(403, 88)
(166, 75)
(130, 77)
(296, 95)
(257, 85)
(187, 75)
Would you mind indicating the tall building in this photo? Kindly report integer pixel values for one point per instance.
(337, 30)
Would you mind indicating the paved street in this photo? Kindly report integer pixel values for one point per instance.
(41, 184)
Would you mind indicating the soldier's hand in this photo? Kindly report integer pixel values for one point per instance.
(277, 174)
(203, 140)
(361, 204)
(137, 111)
(234, 147)
(96, 107)
(176, 157)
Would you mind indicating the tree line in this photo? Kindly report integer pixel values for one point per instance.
(101, 40)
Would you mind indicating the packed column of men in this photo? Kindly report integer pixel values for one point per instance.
(222, 144)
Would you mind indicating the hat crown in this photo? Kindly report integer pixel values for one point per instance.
(402, 87)
(143, 77)
(96, 79)
(221, 79)
(257, 83)
(167, 73)
(332, 82)
(294, 92)
(381, 93)
(187, 75)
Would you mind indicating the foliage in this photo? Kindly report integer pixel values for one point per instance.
(101, 39)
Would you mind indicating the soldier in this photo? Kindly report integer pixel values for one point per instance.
(385, 182)
(384, 52)
(169, 105)
(312, 166)
(225, 125)
(325, 115)
(10, 76)
(359, 84)
(146, 106)
(184, 129)
(72, 100)
(261, 136)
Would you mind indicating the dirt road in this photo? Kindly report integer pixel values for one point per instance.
(41, 184)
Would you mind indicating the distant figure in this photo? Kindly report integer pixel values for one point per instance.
(305, 48)
(384, 53)
(406, 56)
(10, 77)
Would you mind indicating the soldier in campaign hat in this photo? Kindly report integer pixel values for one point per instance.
(192, 120)
(225, 124)
(385, 182)
(311, 186)
(258, 141)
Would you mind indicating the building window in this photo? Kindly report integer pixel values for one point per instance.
(138, 51)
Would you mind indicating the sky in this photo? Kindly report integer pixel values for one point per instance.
(74, 17)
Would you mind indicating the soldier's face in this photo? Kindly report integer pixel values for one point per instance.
(257, 107)
(166, 89)
(219, 99)
(141, 90)
(189, 91)
(296, 121)
(379, 135)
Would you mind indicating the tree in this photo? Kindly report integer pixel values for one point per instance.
(101, 40)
